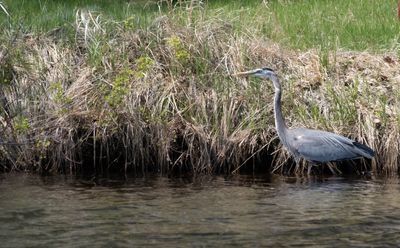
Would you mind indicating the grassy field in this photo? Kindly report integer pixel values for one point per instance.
(146, 86)
(354, 25)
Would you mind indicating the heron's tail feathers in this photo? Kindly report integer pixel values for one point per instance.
(364, 150)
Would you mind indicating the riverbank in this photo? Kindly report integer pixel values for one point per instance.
(160, 98)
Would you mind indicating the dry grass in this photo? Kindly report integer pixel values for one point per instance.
(162, 99)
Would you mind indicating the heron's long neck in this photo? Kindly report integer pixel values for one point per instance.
(279, 121)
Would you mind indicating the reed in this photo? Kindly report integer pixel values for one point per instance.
(160, 98)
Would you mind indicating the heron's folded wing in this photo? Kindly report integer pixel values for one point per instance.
(324, 147)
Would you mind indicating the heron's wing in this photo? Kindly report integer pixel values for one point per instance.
(321, 146)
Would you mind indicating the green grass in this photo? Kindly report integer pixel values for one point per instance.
(45, 15)
(354, 25)
(300, 24)
(305, 24)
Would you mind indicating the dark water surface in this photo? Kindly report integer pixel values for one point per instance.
(239, 211)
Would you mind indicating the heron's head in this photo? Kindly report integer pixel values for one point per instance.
(266, 73)
(260, 72)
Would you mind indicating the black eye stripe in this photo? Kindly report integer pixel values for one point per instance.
(268, 69)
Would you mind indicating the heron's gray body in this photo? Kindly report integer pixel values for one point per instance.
(321, 146)
(312, 145)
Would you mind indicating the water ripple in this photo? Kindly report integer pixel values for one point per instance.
(211, 211)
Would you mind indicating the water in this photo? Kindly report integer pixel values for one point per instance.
(205, 212)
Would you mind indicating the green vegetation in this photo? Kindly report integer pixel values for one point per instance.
(322, 24)
(146, 85)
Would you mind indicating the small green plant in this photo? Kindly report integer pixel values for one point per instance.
(5, 74)
(109, 121)
(315, 112)
(60, 97)
(180, 52)
(143, 65)
(59, 94)
(174, 42)
(21, 124)
(324, 58)
(382, 113)
(129, 23)
(182, 55)
(119, 89)
(42, 146)
(98, 48)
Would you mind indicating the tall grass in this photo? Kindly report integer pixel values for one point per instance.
(160, 97)
(354, 25)
(342, 24)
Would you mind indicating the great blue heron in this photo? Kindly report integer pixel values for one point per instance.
(312, 145)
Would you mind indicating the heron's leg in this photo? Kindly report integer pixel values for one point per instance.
(309, 169)
(331, 168)
(298, 167)
(310, 165)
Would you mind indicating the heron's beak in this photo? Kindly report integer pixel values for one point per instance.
(244, 74)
